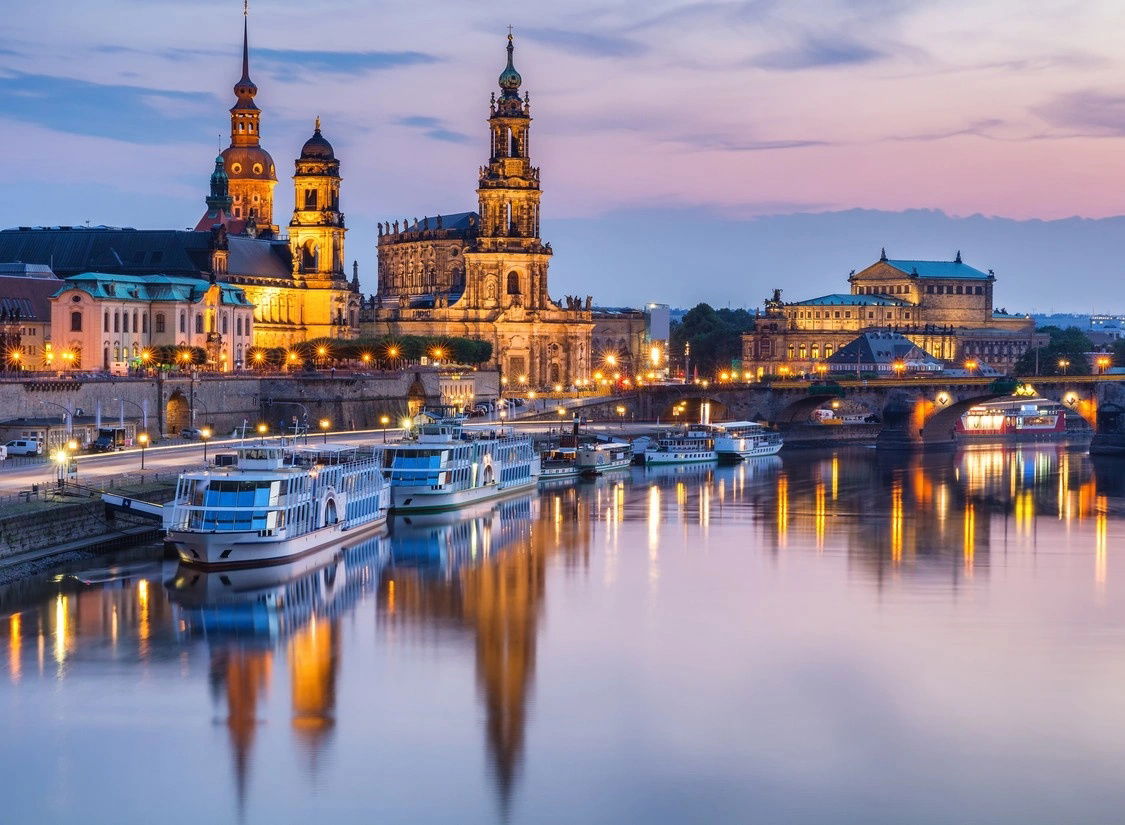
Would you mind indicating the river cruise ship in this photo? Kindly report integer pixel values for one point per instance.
(735, 440)
(442, 465)
(692, 444)
(600, 457)
(558, 462)
(1020, 420)
(276, 503)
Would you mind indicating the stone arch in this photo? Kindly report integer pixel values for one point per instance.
(177, 414)
(691, 408)
(416, 397)
(939, 428)
(798, 410)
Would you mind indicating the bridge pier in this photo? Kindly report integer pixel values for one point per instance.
(1109, 431)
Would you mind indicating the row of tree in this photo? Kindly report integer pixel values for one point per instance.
(1064, 354)
(713, 335)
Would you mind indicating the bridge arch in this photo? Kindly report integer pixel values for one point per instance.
(177, 415)
(690, 408)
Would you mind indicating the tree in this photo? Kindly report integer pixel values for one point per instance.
(715, 336)
(1065, 354)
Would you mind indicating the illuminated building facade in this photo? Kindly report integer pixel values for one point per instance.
(483, 274)
(943, 307)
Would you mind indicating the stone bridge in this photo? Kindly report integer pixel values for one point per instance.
(913, 413)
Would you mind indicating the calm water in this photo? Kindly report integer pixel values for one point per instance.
(819, 638)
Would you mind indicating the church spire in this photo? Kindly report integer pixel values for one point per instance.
(510, 79)
(219, 199)
(244, 89)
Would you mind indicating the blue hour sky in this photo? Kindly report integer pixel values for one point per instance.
(690, 150)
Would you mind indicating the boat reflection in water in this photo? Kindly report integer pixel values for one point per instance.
(245, 614)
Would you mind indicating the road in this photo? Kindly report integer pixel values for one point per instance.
(174, 458)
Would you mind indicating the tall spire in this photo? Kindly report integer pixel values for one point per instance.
(510, 79)
(246, 39)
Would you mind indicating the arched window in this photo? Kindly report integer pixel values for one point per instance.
(183, 322)
(117, 321)
(224, 330)
(308, 256)
(158, 322)
(76, 322)
(238, 325)
(117, 351)
(513, 283)
(198, 322)
(106, 329)
(144, 323)
(135, 327)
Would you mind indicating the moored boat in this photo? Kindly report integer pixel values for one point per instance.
(1018, 420)
(735, 440)
(276, 503)
(442, 465)
(600, 457)
(693, 444)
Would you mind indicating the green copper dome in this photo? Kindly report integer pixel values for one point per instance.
(510, 79)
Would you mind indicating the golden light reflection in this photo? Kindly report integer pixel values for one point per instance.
(896, 519)
(1024, 512)
(61, 628)
(15, 642)
(144, 623)
(970, 537)
(705, 505)
(835, 477)
(1101, 540)
(820, 515)
(782, 508)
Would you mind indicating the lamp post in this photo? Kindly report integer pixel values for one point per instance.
(621, 412)
(971, 365)
(142, 439)
(204, 434)
(384, 420)
(263, 428)
(1063, 364)
(899, 368)
(324, 425)
(61, 460)
(1103, 362)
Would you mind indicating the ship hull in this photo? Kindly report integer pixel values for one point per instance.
(416, 500)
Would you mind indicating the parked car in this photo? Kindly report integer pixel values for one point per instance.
(108, 440)
(190, 433)
(24, 446)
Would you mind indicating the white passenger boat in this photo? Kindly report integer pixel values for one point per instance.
(559, 462)
(736, 440)
(604, 456)
(275, 504)
(444, 466)
(693, 444)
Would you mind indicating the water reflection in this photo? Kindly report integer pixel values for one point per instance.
(475, 585)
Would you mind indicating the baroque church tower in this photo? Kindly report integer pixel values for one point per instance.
(316, 233)
(509, 261)
(250, 168)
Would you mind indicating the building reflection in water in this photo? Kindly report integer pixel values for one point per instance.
(248, 616)
(482, 572)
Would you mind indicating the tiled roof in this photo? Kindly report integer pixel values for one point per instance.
(30, 296)
(879, 348)
(847, 299)
(148, 288)
(939, 269)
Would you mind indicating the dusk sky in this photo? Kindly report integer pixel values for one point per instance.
(669, 113)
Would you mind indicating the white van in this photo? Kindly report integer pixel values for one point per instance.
(23, 446)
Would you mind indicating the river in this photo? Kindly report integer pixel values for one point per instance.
(818, 637)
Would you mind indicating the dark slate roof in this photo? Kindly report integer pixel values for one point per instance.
(182, 253)
(939, 269)
(879, 348)
(458, 220)
(256, 256)
(847, 299)
(29, 296)
(71, 250)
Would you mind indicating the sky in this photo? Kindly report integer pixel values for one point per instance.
(655, 123)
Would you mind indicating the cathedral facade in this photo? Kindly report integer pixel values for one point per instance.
(483, 274)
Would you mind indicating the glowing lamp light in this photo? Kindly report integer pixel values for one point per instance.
(263, 428)
(142, 438)
(325, 423)
(654, 355)
(384, 420)
(558, 387)
(561, 411)
(611, 359)
(72, 445)
(322, 351)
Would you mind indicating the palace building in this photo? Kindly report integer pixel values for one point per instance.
(943, 307)
(483, 274)
(296, 285)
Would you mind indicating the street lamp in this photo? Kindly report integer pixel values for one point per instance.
(204, 434)
(61, 459)
(142, 439)
(621, 412)
(899, 368)
(971, 366)
(1063, 364)
(263, 428)
(259, 357)
(324, 425)
(384, 420)
(561, 411)
(1103, 362)
(437, 353)
(185, 356)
